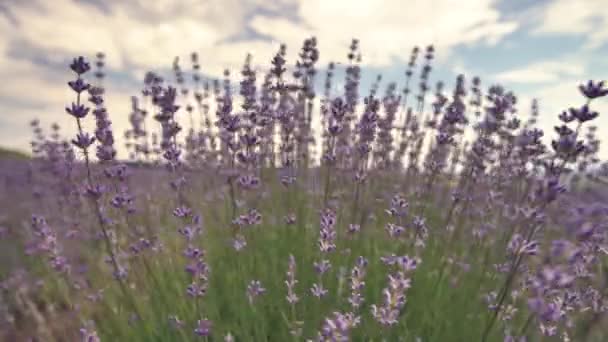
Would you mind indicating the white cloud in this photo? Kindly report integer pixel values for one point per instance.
(388, 29)
(149, 33)
(62, 28)
(584, 17)
(542, 72)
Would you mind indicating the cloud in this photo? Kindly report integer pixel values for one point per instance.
(542, 72)
(588, 18)
(148, 33)
(388, 29)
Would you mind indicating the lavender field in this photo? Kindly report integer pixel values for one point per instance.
(272, 205)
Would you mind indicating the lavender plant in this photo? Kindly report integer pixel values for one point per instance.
(444, 221)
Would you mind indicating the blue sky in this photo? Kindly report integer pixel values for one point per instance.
(541, 49)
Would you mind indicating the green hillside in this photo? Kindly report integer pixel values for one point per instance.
(12, 154)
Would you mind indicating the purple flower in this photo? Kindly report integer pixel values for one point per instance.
(408, 264)
(83, 140)
(509, 338)
(291, 281)
(79, 85)
(249, 182)
(419, 223)
(583, 114)
(203, 327)
(78, 111)
(353, 228)
(394, 230)
(548, 330)
(105, 152)
(89, 335)
(327, 235)
(554, 277)
(357, 283)
(585, 231)
(566, 117)
(254, 289)
(182, 212)
(318, 290)
(593, 90)
(399, 206)
(547, 311)
(254, 217)
(322, 266)
(389, 260)
(519, 246)
(80, 65)
(193, 253)
(196, 290)
(239, 242)
(290, 219)
(336, 328)
(394, 299)
(95, 191)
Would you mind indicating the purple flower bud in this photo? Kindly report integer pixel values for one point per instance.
(290, 219)
(254, 289)
(83, 140)
(583, 114)
(182, 212)
(592, 91)
(239, 242)
(394, 230)
(195, 290)
(80, 65)
(353, 228)
(318, 290)
(79, 85)
(566, 117)
(89, 335)
(249, 182)
(78, 111)
(105, 153)
(322, 266)
(203, 327)
(95, 192)
(407, 263)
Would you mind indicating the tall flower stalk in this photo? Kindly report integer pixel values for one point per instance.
(94, 191)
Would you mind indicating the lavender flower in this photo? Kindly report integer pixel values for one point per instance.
(254, 289)
(327, 235)
(337, 327)
(322, 266)
(357, 283)
(291, 281)
(318, 290)
(203, 327)
(394, 300)
(89, 335)
(593, 90)
(239, 243)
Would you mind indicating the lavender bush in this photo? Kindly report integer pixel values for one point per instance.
(268, 206)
